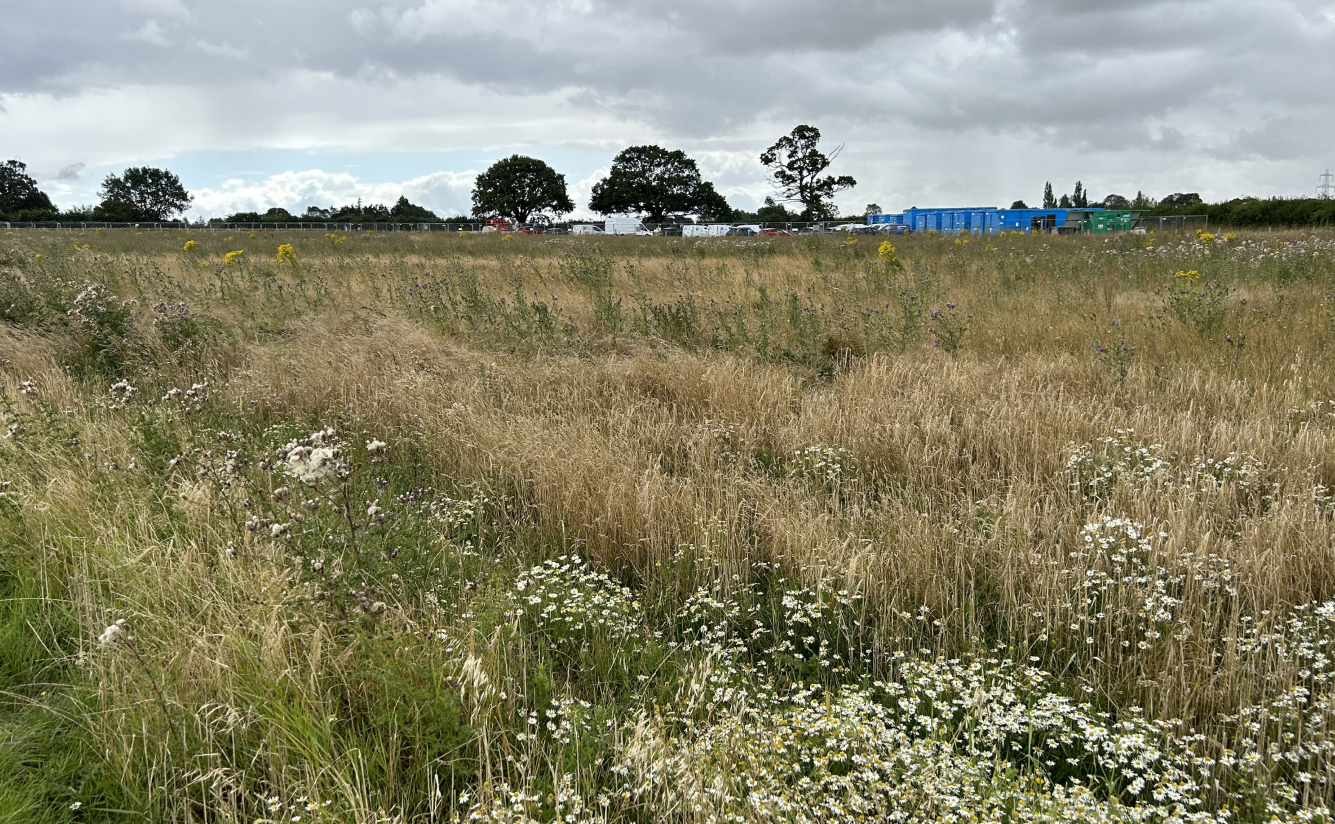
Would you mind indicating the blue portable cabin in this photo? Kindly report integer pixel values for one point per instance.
(978, 220)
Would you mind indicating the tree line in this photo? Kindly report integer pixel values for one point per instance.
(658, 184)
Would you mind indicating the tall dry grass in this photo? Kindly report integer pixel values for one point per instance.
(670, 452)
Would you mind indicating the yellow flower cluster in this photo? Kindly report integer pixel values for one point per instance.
(335, 237)
(286, 254)
(888, 255)
(1189, 275)
(1204, 237)
(189, 244)
(233, 257)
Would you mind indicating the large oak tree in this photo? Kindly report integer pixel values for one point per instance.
(519, 187)
(19, 196)
(142, 193)
(657, 183)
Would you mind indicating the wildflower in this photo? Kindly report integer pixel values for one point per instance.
(888, 255)
(75, 806)
(189, 244)
(286, 254)
(232, 257)
(1189, 275)
(113, 633)
(28, 388)
(376, 447)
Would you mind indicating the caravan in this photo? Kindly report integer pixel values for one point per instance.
(705, 230)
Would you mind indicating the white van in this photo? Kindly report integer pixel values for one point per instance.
(624, 225)
(585, 229)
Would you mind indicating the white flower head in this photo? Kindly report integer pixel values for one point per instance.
(376, 447)
(311, 464)
(113, 633)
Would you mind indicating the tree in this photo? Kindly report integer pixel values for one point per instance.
(657, 183)
(872, 209)
(773, 212)
(19, 195)
(1049, 199)
(517, 187)
(411, 212)
(1080, 199)
(796, 166)
(1019, 204)
(1065, 202)
(143, 193)
(1143, 201)
(1181, 200)
(1116, 202)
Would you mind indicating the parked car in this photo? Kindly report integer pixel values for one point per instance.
(744, 230)
(775, 233)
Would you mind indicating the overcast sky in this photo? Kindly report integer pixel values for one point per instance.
(257, 103)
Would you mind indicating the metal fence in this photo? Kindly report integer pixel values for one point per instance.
(1166, 223)
(1173, 223)
(334, 226)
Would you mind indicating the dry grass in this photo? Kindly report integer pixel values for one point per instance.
(668, 451)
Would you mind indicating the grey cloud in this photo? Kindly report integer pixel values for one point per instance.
(1208, 80)
(71, 172)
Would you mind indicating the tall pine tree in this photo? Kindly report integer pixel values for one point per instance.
(1049, 199)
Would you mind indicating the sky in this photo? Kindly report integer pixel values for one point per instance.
(256, 103)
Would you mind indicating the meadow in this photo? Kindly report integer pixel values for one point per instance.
(403, 527)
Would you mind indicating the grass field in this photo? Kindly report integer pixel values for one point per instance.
(412, 528)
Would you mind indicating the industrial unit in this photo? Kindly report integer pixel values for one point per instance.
(989, 220)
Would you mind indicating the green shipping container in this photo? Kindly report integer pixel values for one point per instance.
(1109, 221)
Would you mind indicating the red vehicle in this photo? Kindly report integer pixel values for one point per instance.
(774, 233)
(497, 224)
